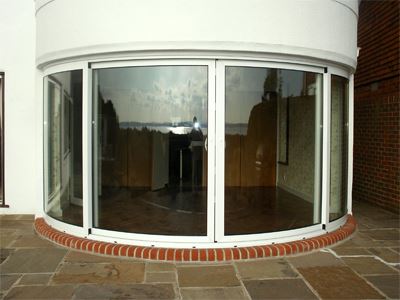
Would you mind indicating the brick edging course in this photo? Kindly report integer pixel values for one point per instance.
(193, 254)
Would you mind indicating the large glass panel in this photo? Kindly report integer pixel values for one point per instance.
(64, 146)
(273, 149)
(339, 147)
(150, 149)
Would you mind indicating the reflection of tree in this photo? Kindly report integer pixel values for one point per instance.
(109, 126)
(271, 82)
(125, 153)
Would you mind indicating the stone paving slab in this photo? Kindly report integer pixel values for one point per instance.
(35, 279)
(16, 233)
(368, 265)
(34, 260)
(386, 254)
(350, 251)
(132, 291)
(163, 277)
(361, 239)
(383, 234)
(234, 293)
(389, 222)
(317, 259)
(160, 267)
(396, 249)
(6, 241)
(33, 241)
(5, 253)
(337, 282)
(17, 225)
(6, 281)
(79, 257)
(265, 269)
(388, 284)
(27, 217)
(60, 292)
(75, 273)
(278, 289)
(207, 276)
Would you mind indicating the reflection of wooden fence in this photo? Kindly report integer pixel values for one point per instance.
(131, 164)
(248, 162)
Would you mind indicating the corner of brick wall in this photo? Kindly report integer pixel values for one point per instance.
(376, 175)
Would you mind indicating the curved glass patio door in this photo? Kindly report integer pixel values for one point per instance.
(269, 143)
(154, 148)
(205, 150)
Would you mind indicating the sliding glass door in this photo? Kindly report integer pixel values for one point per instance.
(206, 149)
(196, 151)
(269, 165)
(151, 149)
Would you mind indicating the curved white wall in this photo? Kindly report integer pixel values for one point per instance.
(324, 29)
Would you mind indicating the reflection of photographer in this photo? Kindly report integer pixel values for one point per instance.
(261, 138)
(196, 146)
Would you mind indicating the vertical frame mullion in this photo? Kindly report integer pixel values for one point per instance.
(326, 119)
(211, 152)
(350, 129)
(2, 144)
(95, 148)
(220, 152)
(318, 143)
(87, 148)
(45, 128)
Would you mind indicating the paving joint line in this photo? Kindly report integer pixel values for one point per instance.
(314, 291)
(239, 277)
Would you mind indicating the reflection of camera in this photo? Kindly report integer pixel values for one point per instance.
(194, 144)
(269, 95)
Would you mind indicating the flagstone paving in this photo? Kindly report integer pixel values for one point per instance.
(367, 266)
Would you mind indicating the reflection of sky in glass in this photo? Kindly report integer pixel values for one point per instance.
(245, 88)
(175, 94)
(156, 94)
(291, 82)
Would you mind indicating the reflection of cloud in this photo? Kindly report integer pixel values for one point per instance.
(156, 87)
(233, 78)
(161, 98)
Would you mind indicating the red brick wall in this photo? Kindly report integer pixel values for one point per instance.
(377, 106)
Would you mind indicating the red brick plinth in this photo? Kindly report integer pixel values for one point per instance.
(193, 254)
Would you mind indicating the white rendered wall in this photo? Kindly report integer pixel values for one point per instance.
(324, 29)
(17, 61)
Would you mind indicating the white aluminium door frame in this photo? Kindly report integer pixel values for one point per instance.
(280, 236)
(65, 227)
(150, 239)
(216, 153)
